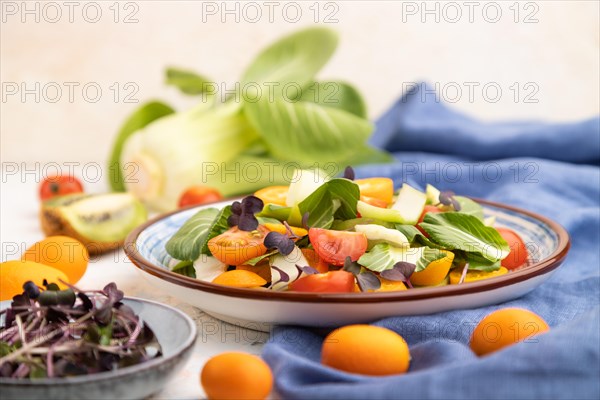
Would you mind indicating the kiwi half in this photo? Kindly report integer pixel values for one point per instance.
(101, 222)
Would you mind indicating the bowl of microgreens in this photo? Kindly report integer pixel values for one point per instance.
(97, 344)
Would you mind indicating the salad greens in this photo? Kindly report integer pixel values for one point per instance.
(337, 248)
(279, 113)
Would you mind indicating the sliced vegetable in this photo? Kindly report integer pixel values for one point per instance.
(334, 246)
(383, 257)
(284, 269)
(518, 250)
(330, 282)
(381, 234)
(383, 214)
(409, 204)
(314, 260)
(377, 188)
(435, 272)
(240, 278)
(235, 247)
(304, 183)
(473, 276)
(432, 194)
(273, 195)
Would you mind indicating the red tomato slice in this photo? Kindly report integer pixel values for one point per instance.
(330, 282)
(334, 246)
(518, 251)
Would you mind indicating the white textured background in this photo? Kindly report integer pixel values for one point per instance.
(378, 52)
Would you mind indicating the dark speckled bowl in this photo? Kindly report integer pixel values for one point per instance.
(176, 333)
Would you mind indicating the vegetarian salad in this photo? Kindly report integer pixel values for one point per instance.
(344, 235)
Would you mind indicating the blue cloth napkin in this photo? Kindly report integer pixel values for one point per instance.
(551, 169)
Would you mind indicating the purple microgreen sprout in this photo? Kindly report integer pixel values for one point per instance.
(283, 276)
(447, 199)
(367, 280)
(57, 333)
(305, 220)
(463, 275)
(242, 214)
(349, 173)
(400, 272)
(351, 266)
(283, 243)
(308, 270)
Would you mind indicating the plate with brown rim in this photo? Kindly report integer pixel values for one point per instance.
(547, 242)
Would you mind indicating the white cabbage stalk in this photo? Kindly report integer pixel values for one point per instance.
(185, 149)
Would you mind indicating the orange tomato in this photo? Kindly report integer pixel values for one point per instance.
(13, 274)
(235, 247)
(379, 188)
(504, 328)
(236, 375)
(367, 350)
(434, 273)
(330, 282)
(273, 195)
(61, 252)
(240, 278)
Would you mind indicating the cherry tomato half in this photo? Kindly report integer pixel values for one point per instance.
(235, 247)
(518, 251)
(273, 195)
(379, 188)
(59, 185)
(330, 282)
(334, 246)
(196, 195)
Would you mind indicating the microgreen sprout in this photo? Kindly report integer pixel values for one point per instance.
(447, 198)
(349, 173)
(60, 333)
(401, 272)
(365, 279)
(243, 213)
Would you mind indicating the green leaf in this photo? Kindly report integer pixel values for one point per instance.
(256, 260)
(383, 256)
(349, 224)
(305, 131)
(185, 268)
(37, 372)
(294, 59)
(219, 226)
(468, 206)
(188, 82)
(454, 230)
(480, 263)
(336, 94)
(415, 236)
(140, 118)
(334, 199)
(6, 349)
(187, 243)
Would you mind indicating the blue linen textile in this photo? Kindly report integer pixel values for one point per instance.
(551, 169)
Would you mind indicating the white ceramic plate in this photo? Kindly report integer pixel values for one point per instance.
(547, 241)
